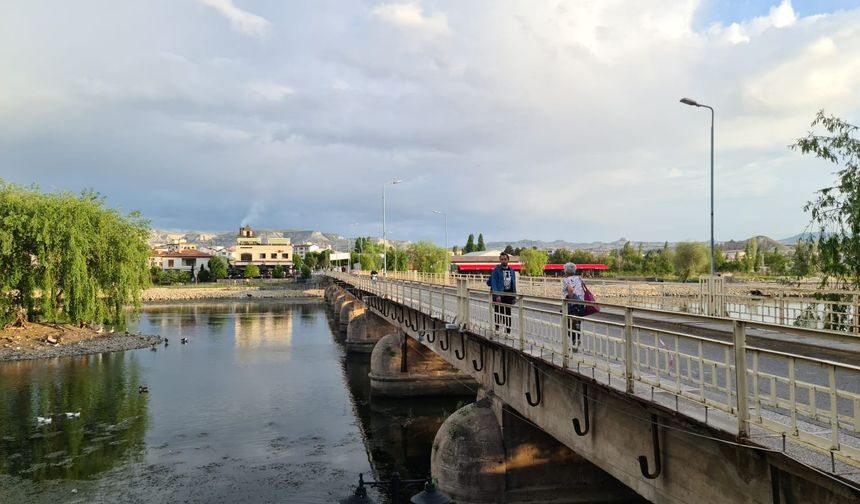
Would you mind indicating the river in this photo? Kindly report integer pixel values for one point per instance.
(261, 405)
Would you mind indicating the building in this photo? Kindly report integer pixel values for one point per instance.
(183, 260)
(265, 254)
(302, 249)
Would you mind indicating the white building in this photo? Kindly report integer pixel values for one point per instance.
(185, 260)
(302, 249)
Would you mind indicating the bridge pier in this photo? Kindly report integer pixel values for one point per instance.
(402, 367)
(485, 452)
(348, 311)
(364, 330)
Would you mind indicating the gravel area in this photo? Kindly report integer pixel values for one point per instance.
(94, 345)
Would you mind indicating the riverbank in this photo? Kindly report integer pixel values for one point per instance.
(194, 293)
(44, 341)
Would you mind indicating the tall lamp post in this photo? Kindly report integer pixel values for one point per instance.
(354, 243)
(694, 103)
(384, 241)
(447, 257)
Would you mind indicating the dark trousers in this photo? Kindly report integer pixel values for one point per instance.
(574, 325)
(503, 312)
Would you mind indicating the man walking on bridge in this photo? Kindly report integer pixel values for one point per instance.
(503, 279)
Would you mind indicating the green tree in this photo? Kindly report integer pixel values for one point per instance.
(278, 271)
(325, 259)
(470, 244)
(305, 271)
(560, 256)
(481, 246)
(533, 261)
(298, 262)
(836, 209)
(252, 271)
(66, 257)
(776, 263)
(218, 268)
(580, 256)
(690, 258)
(426, 257)
(312, 260)
(804, 260)
(509, 250)
(751, 254)
(204, 275)
(156, 275)
(631, 259)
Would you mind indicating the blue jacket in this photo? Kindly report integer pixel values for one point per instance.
(497, 279)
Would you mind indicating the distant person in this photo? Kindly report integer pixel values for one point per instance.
(503, 280)
(572, 290)
(373, 274)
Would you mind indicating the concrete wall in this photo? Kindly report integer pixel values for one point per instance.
(364, 331)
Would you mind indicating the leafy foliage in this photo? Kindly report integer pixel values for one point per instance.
(481, 246)
(218, 268)
(66, 257)
(533, 261)
(252, 271)
(836, 209)
(470, 244)
(690, 258)
(278, 271)
(426, 257)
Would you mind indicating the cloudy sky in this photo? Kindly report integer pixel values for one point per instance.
(542, 119)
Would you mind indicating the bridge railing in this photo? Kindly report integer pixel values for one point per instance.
(798, 306)
(812, 400)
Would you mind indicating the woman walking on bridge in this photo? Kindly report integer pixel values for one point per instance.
(572, 290)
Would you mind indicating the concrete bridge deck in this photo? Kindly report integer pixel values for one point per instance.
(802, 397)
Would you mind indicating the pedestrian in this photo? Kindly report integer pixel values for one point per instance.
(572, 290)
(503, 280)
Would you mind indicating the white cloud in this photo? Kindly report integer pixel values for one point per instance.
(411, 16)
(269, 91)
(241, 21)
(779, 16)
(532, 102)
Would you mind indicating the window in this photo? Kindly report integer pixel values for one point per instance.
(273, 255)
(246, 257)
(262, 255)
(188, 262)
(170, 263)
(285, 256)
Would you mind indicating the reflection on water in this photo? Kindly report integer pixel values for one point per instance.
(262, 405)
(75, 445)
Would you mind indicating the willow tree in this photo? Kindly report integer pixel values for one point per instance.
(835, 211)
(66, 257)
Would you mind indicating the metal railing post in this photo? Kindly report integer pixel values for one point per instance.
(628, 349)
(740, 344)
(463, 301)
(564, 336)
(522, 316)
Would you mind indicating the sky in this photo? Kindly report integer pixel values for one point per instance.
(522, 119)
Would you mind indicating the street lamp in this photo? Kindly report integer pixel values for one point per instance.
(428, 496)
(694, 103)
(354, 243)
(445, 215)
(384, 241)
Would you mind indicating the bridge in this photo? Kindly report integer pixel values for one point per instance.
(678, 407)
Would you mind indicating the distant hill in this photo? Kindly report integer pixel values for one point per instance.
(764, 244)
(792, 240)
